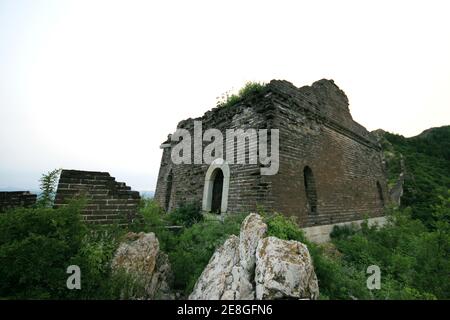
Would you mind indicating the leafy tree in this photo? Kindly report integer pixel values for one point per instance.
(48, 184)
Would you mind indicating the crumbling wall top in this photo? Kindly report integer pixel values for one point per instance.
(323, 98)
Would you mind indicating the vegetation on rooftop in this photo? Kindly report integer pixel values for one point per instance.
(250, 88)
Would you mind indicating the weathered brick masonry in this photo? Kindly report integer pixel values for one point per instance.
(13, 199)
(108, 201)
(331, 167)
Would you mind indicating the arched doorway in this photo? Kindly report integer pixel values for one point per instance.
(217, 182)
(216, 202)
(310, 190)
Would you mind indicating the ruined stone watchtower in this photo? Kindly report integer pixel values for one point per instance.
(330, 167)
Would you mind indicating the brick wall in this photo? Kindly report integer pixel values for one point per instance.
(345, 159)
(316, 130)
(248, 188)
(13, 199)
(108, 201)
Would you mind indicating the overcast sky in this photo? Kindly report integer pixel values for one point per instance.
(98, 85)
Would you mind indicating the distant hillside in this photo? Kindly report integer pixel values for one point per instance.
(426, 160)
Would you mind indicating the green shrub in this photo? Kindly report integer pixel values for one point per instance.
(250, 88)
(94, 259)
(343, 231)
(285, 228)
(156, 220)
(36, 247)
(186, 215)
(38, 244)
(408, 253)
(124, 286)
(337, 279)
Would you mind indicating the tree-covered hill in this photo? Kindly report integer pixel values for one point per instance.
(426, 160)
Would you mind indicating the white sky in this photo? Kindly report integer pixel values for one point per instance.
(98, 85)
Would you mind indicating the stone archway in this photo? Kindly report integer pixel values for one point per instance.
(217, 183)
(216, 201)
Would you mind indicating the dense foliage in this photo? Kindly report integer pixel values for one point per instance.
(36, 246)
(427, 168)
(412, 250)
(414, 260)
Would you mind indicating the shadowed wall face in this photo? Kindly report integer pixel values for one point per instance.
(13, 199)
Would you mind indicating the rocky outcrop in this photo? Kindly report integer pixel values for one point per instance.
(230, 272)
(284, 269)
(254, 267)
(253, 229)
(139, 258)
(220, 279)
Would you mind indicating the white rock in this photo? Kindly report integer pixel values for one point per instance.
(230, 272)
(274, 268)
(219, 279)
(284, 270)
(253, 229)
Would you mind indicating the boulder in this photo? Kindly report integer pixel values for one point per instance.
(284, 270)
(253, 229)
(230, 272)
(220, 279)
(146, 266)
(254, 267)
